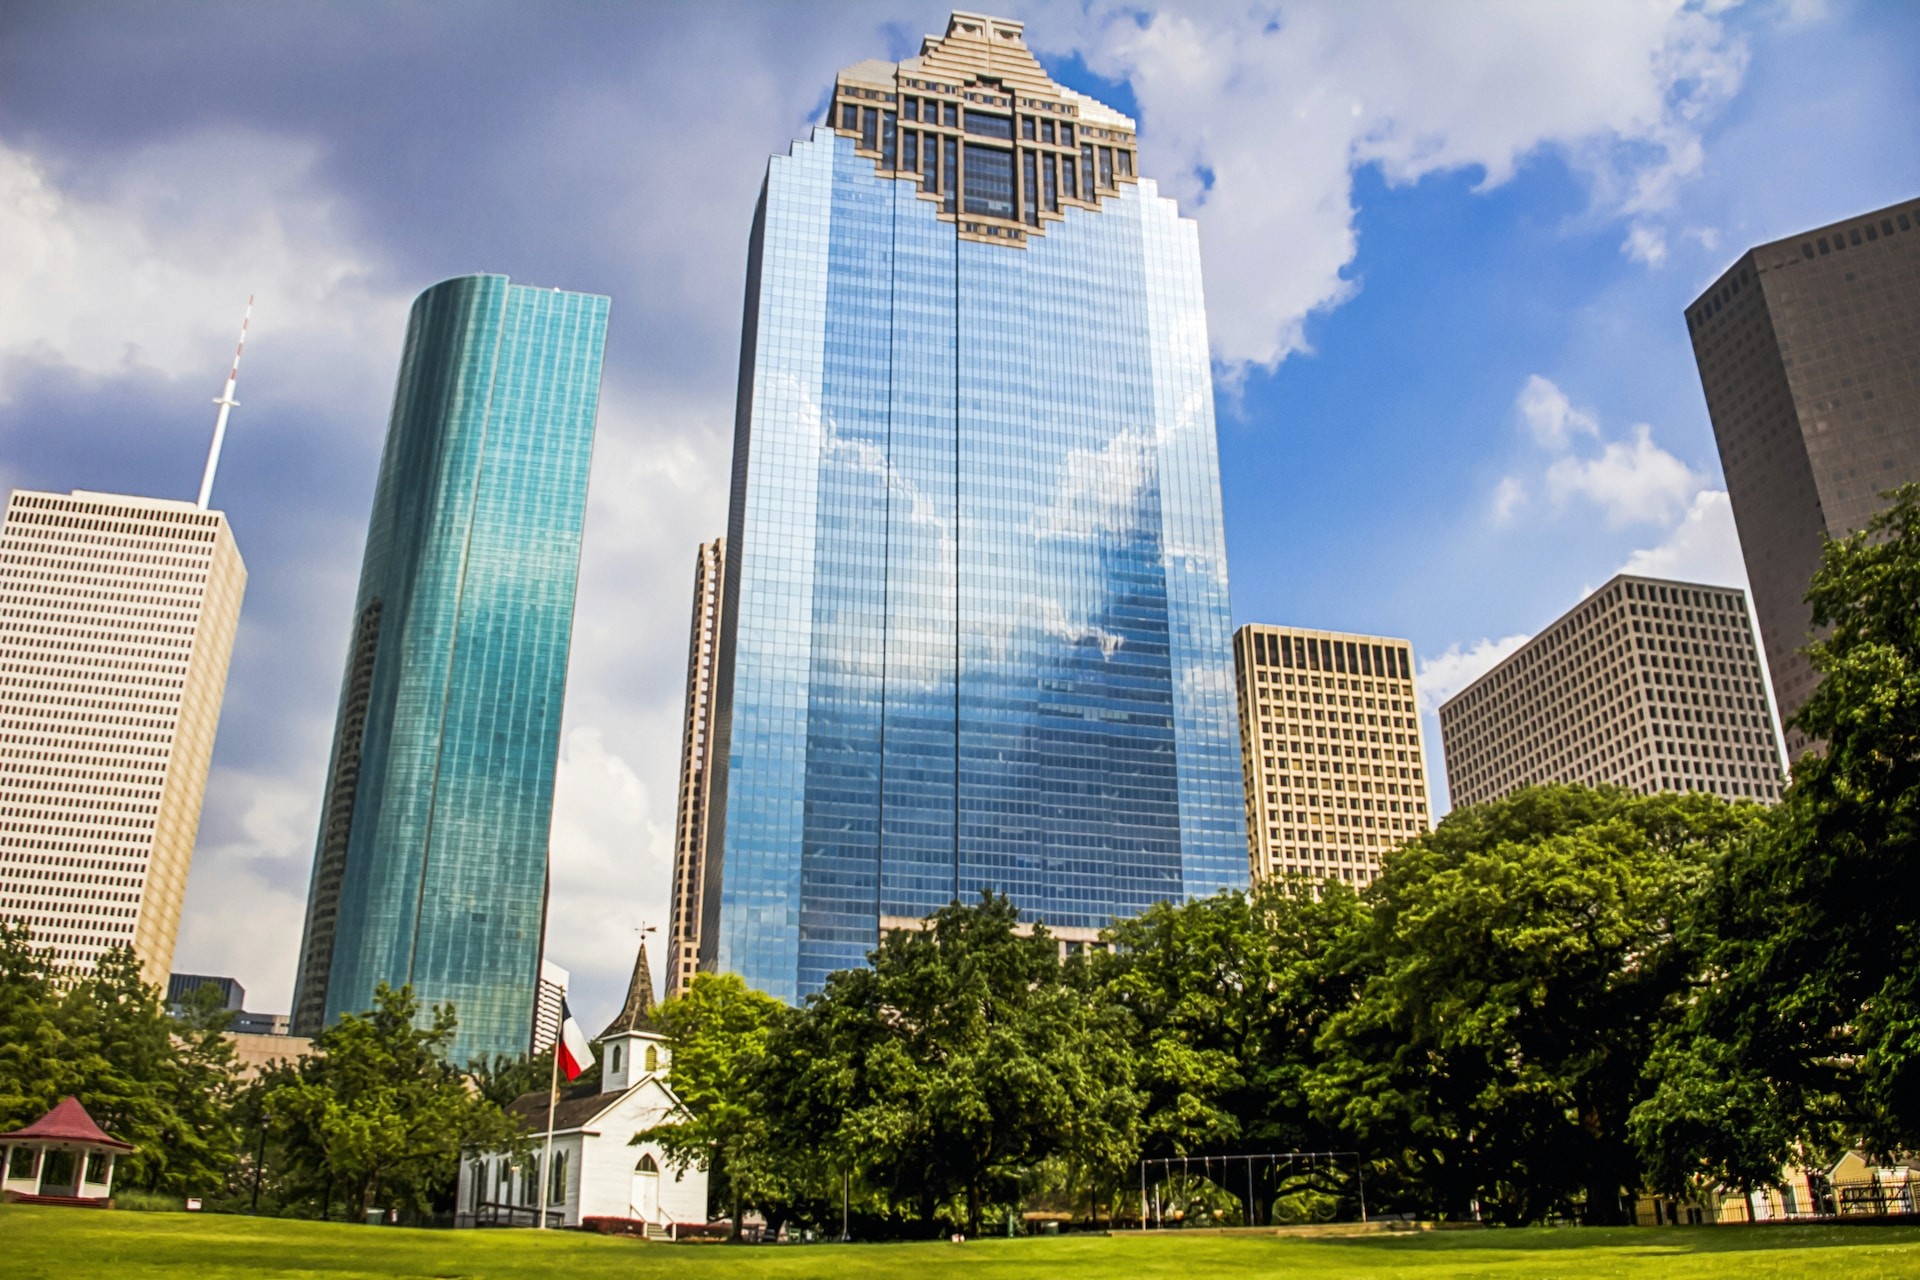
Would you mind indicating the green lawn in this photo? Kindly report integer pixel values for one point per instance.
(66, 1243)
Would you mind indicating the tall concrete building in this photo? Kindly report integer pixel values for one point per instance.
(696, 778)
(1809, 354)
(976, 631)
(117, 618)
(1330, 749)
(431, 864)
(1646, 684)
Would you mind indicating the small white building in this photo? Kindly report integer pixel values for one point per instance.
(596, 1171)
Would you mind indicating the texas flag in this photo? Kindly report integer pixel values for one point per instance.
(576, 1055)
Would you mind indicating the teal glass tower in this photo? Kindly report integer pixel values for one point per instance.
(431, 862)
(978, 634)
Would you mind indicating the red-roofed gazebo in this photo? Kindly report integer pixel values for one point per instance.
(61, 1158)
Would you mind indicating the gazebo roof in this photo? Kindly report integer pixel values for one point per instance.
(68, 1122)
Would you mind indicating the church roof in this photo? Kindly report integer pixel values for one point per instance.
(637, 1013)
(576, 1106)
(68, 1122)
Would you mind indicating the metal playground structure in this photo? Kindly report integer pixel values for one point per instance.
(1246, 1177)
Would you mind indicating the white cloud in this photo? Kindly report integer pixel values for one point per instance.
(1508, 497)
(1551, 417)
(117, 279)
(1442, 676)
(247, 894)
(612, 862)
(1259, 116)
(1646, 243)
(1632, 481)
(1703, 547)
(659, 490)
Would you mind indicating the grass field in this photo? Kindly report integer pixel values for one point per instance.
(39, 1242)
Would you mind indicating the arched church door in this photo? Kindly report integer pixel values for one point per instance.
(646, 1189)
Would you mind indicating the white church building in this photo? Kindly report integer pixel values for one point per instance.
(596, 1171)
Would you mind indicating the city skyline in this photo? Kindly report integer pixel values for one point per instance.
(1560, 265)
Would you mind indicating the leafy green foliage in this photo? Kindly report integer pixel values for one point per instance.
(1230, 994)
(160, 1083)
(717, 1031)
(1806, 1034)
(378, 1114)
(1519, 962)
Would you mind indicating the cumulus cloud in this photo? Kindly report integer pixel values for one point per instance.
(1646, 243)
(1259, 116)
(1447, 673)
(1632, 481)
(1703, 547)
(1508, 497)
(248, 895)
(1551, 417)
(119, 278)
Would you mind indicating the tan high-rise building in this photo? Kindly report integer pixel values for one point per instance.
(1807, 349)
(117, 617)
(696, 735)
(1330, 749)
(1646, 684)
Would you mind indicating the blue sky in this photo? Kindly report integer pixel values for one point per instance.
(1447, 248)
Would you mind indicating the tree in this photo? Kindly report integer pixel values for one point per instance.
(717, 1033)
(1229, 994)
(33, 1073)
(961, 1058)
(379, 1113)
(1520, 963)
(160, 1083)
(1808, 1028)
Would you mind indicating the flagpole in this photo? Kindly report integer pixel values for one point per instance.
(546, 1158)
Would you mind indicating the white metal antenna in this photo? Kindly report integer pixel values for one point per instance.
(227, 404)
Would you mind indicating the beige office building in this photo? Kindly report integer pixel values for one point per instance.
(117, 617)
(690, 823)
(1646, 684)
(1330, 750)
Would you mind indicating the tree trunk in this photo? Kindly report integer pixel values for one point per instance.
(735, 1230)
(973, 1206)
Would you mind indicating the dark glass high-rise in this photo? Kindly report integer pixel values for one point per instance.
(1807, 348)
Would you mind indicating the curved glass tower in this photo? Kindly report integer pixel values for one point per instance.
(978, 636)
(431, 865)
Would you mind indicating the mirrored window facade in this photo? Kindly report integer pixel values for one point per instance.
(432, 857)
(978, 633)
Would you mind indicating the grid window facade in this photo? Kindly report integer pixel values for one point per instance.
(1330, 751)
(117, 620)
(1646, 684)
(696, 735)
(431, 862)
(975, 629)
(1809, 355)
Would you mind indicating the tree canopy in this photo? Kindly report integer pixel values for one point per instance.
(1805, 1035)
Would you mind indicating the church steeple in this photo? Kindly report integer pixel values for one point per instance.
(633, 1047)
(637, 1013)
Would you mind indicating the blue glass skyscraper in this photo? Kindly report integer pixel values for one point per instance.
(431, 866)
(978, 633)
